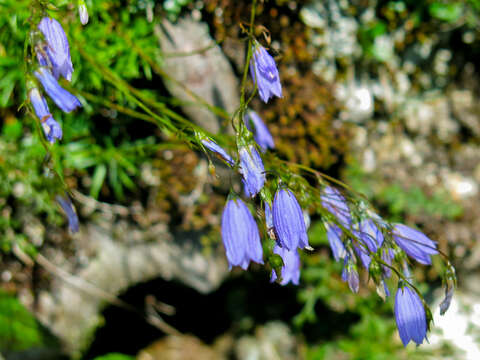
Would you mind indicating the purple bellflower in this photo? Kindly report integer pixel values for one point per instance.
(288, 221)
(64, 100)
(240, 235)
(414, 243)
(251, 167)
(72, 217)
(410, 316)
(334, 236)
(264, 73)
(214, 147)
(371, 238)
(50, 127)
(336, 204)
(290, 268)
(56, 49)
(262, 136)
(350, 274)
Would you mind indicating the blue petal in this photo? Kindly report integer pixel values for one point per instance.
(414, 243)
(57, 47)
(240, 235)
(410, 316)
(251, 167)
(290, 268)
(262, 135)
(288, 221)
(336, 204)
(213, 146)
(64, 100)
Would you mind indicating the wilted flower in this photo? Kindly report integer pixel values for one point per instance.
(240, 235)
(251, 167)
(50, 127)
(57, 48)
(264, 73)
(67, 206)
(410, 316)
(334, 236)
(213, 146)
(290, 268)
(350, 274)
(64, 100)
(414, 243)
(336, 204)
(262, 136)
(288, 221)
(83, 12)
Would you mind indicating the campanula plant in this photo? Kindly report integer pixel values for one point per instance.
(288, 221)
(261, 134)
(264, 73)
(410, 316)
(291, 266)
(252, 170)
(240, 235)
(56, 50)
(50, 127)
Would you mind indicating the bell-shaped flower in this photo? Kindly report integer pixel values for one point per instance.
(291, 266)
(240, 235)
(334, 236)
(214, 147)
(83, 12)
(264, 73)
(56, 48)
(350, 274)
(410, 316)
(370, 238)
(261, 134)
(288, 221)
(251, 167)
(69, 210)
(64, 100)
(417, 245)
(336, 204)
(50, 127)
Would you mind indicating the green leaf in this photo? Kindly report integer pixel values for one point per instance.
(114, 356)
(449, 12)
(97, 180)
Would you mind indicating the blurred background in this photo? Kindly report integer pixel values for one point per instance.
(382, 95)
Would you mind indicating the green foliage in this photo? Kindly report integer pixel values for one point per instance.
(371, 338)
(19, 330)
(401, 201)
(114, 356)
(448, 12)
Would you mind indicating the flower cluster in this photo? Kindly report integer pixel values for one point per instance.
(53, 55)
(372, 241)
(283, 216)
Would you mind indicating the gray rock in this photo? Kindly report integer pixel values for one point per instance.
(207, 74)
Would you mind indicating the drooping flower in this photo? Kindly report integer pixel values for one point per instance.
(50, 127)
(290, 268)
(288, 221)
(336, 204)
(334, 236)
(240, 235)
(69, 209)
(83, 12)
(414, 243)
(64, 100)
(261, 134)
(350, 274)
(371, 239)
(264, 73)
(251, 167)
(56, 48)
(410, 316)
(214, 147)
